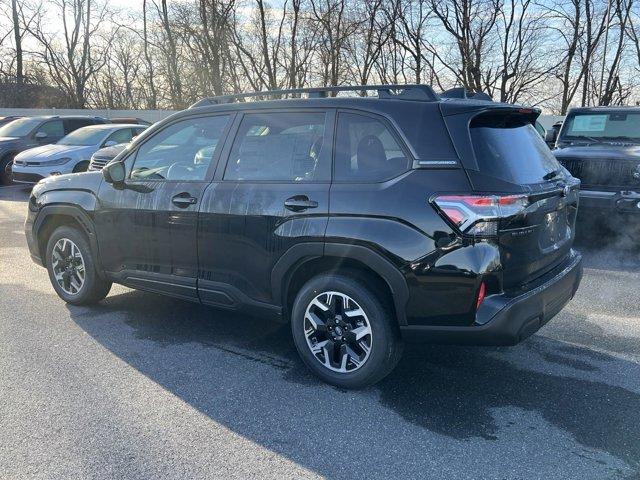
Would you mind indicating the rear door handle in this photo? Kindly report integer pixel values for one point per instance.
(299, 203)
(183, 200)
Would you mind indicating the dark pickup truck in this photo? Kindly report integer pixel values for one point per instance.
(601, 147)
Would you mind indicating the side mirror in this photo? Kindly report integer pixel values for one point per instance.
(41, 135)
(110, 143)
(551, 136)
(114, 173)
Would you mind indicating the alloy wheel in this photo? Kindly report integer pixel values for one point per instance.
(68, 266)
(338, 332)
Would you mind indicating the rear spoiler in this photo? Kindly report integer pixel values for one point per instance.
(474, 107)
(461, 92)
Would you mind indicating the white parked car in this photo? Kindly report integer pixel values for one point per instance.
(72, 153)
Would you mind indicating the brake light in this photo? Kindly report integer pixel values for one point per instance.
(482, 291)
(479, 215)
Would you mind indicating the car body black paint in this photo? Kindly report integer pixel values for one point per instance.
(238, 244)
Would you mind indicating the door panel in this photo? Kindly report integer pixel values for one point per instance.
(147, 227)
(272, 194)
(245, 228)
(145, 239)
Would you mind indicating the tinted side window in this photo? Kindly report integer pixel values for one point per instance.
(137, 131)
(53, 128)
(366, 150)
(280, 147)
(120, 136)
(72, 124)
(182, 151)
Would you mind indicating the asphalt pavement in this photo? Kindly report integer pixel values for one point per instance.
(142, 386)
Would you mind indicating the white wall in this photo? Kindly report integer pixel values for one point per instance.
(148, 115)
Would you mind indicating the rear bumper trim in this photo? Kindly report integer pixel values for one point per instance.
(518, 318)
(623, 201)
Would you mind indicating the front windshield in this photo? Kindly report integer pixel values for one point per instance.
(20, 127)
(84, 137)
(597, 127)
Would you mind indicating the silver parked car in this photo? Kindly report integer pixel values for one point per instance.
(72, 153)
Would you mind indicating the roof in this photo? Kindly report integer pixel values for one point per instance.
(65, 117)
(455, 99)
(608, 108)
(115, 126)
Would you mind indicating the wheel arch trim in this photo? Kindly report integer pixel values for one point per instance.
(298, 255)
(79, 215)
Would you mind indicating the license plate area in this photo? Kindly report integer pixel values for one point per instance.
(555, 229)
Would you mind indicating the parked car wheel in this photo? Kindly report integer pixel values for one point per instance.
(81, 167)
(6, 166)
(344, 331)
(72, 268)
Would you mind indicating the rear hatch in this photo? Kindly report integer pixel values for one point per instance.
(523, 199)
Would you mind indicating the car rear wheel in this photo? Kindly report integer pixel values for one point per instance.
(344, 331)
(72, 268)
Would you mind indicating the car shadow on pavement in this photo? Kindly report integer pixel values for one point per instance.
(452, 391)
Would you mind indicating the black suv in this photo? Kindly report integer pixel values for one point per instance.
(28, 132)
(601, 147)
(361, 221)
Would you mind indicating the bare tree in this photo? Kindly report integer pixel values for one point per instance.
(578, 42)
(78, 54)
(170, 52)
(409, 22)
(471, 25)
(521, 66)
(365, 46)
(622, 11)
(335, 28)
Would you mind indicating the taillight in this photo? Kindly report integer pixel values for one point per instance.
(479, 215)
(482, 291)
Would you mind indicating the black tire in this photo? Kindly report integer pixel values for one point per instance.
(81, 167)
(6, 177)
(94, 287)
(386, 346)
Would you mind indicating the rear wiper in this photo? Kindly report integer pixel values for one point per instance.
(552, 174)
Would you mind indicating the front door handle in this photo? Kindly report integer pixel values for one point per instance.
(183, 200)
(299, 203)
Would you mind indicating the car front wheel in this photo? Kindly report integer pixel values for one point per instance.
(344, 331)
(6, 167)
(72, 269)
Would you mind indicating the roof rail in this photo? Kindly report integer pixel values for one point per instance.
(461, 92)
(406, 92)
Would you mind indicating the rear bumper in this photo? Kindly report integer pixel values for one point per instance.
(623, 201)
(510, 319)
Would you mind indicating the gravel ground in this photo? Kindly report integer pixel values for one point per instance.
(143, 386)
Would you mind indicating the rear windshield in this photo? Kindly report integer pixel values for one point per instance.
(602, 126)
(510, 148)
